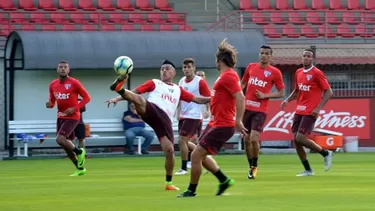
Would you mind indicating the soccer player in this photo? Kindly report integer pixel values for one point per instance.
(311, 84)
(158, 110)
(259, 79)
(64, 91)
(201, 74)
(190, 114)
(227, 109)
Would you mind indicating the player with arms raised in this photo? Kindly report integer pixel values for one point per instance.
(190, 114)
(64, 91)
(259, 79)
(227, 109)
(311, 84)
(158, 110)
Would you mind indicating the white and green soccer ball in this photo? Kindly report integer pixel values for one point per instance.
(123, 65)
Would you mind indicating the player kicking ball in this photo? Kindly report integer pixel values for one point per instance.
(311, 85)
(227, 109)
(158, 110)
(64, 91)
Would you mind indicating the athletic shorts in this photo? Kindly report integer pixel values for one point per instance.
(189, 127)
(80, 131)
(66, 127)
(303, 124)
(254, 120)
(213, 139)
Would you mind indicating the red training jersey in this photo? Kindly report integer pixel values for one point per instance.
(65, 94)
(310, 85)
(262, 79)
(223, 103)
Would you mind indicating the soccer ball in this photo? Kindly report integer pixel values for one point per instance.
(123, 65)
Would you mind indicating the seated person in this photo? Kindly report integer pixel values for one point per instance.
(135, 126)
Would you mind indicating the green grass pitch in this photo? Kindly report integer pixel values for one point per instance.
(137, 184)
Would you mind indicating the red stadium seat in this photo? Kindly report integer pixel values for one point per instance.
(27, 5)
(67, 5)
(299, 5)
(125, 5)
(370, 5)
(175, 18)
(78, 18)
(318, 5)
(277, 18)
(296, 18)
(163, 5)
(333, 18)
(282, 5)
(343, 30)
(326, 31)
(308, 31)
(348, 17)
(117, 18)
(106, 5)
(69, 27)
(314, 18)
(246, 5)
(264, 5)
(354, 5)
(185, 27)
(271, 31)
(48, 28)
(166, 27)
(58, 18)
(107, 28)
(47, 5)
(259, 18)
(335, 5)
(143, 5)
(361, 30)
(17, 17)
(28, 27)
(136, 18)
(127, 27)
(4, 19)
(368, 18)
(147, 27)
(88, 27)
(86, 5)
(290, 31)
(5, 30)
(7, 5)
(97, 18)
(155, 18)
(38, 18)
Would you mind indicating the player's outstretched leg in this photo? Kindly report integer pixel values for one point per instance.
(254, 148)
(76, 155)
(168, 149)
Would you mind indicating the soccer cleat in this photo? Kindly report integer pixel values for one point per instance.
(328, 161)
(81, 158)
(224, 186)
(187, 193)
(79, 173)
(306, 173)
(181, 172)
(252, 172)
(119, 83)
(169, 186)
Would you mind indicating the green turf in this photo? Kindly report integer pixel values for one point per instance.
(131, 184)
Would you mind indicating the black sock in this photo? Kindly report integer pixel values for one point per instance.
(323, 152)
(192, 187)
(250, 161)
(189, 156)
(254, 162)
(76, 163)
(121, 91)
(220, 176)
(168, 178)
(77, 150)
(306, 164)
(184, 165)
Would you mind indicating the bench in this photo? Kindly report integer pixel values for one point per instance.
(32, 127)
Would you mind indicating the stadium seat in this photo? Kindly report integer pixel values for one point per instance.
(88, 27)
(3, 19)
(67, 5)
(335, 5)
(143, 5)
(354, 5)
(147, 27)
(300, 5)
(271, 31)
(277, 18)
(163, 5)
(39, 18)
(127, 27)
(370, 5)
(78, 18)
(27, 5)
(47, 5)
(333, 17)
(125, 5)
(264, 5)
(107, 27)
(308, 31)
(314, 18)
(175, 18)
(361, 30)
(86, 5)
(106, 5)
(28, 27)
(117, 18)
(296, 18)
(343, 30)
(49, 28)
(246, 5)
(155, 18)
(348, 17)
(368, 18)
(326, 32)
(282, 5)
(289, 30)
(97, 18)
(58, 18)
(17, 17)
(7, 5)
(166, 27)
(185, 27)
(136, 18)
(5, 30)
(318, 5)
(68, 27)
(259, 18)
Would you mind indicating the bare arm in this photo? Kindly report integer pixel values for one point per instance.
(201, 100)
(278, 94)
(131, 119)
(327, 94)
(292, 96)
(243, 84)
(240, 106)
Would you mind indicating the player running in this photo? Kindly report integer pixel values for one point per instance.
(311, 84)
(64, 91)
(158, 110)
(259, 79)
(190, 114)
(227, 107)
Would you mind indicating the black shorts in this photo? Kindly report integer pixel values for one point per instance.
(254, 120)
(189, 127)
(80, 131)
(213, 139)
(303, 124)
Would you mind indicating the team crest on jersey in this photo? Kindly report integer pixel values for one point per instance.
(308, 77)
(67, 86)
(267, 73)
